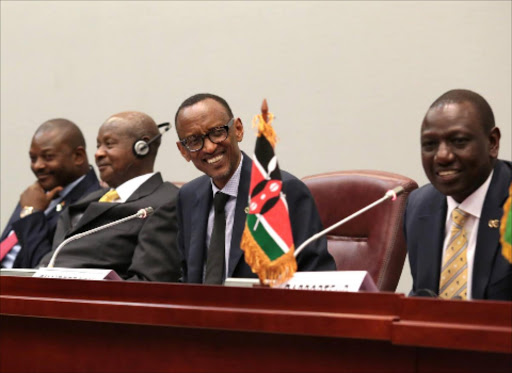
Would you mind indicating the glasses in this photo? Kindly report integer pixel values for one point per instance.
(216, 135)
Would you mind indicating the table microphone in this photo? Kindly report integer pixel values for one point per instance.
(393, 193)
(141, 214)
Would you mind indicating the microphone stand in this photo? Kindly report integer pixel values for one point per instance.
(141, 214)
(389, 194)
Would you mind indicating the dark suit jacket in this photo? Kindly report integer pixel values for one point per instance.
(424, 231)
(194, 203)
(139, 249)
(35, 231)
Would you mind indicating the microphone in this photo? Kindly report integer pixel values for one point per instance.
(141, 214)
(393, 193)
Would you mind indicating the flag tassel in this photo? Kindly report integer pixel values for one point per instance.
(269, 272)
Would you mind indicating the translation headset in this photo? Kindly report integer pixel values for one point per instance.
(141, 147)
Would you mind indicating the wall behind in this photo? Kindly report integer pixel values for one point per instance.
(349, 82)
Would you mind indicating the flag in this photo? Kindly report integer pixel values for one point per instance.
(506, 228)
(267, 240)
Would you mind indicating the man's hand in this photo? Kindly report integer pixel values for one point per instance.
(36, 197)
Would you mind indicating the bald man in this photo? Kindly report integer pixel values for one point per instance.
(139, 249)
(59, 162)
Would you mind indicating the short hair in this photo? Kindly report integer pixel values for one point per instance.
(198, 98)
(70, 132)
(479, 103)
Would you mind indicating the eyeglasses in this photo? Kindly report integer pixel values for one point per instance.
(216, 135)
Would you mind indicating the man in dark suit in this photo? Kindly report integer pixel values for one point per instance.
(459, 259)
(209, 136)
(59, 161)
(139, 249)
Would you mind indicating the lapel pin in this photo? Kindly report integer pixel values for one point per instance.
(246, 210)
(494, 223)
(60, 206)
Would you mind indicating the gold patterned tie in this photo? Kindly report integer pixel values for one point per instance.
(110, 196)
(454, 273)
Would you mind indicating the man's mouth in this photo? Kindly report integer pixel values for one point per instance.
(448, 175)
(43, 177)
(215, 159)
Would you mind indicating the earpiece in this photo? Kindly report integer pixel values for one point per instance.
(141, 147)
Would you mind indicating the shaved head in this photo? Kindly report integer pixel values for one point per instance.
(115, 156)
(135, 124)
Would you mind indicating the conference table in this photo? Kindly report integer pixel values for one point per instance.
(56, 325)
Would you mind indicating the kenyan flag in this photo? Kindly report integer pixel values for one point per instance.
(506, 228)
(267, 240)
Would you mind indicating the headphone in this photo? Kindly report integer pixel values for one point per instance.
(141, 147)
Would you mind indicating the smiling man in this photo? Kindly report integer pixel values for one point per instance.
(139, 249)
(452, 224)
(209, 136)
(59, 162)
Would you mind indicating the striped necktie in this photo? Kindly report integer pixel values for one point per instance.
(110, 196)
(454, 273)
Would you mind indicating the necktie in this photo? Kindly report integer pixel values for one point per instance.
(215, 263)
(7, 244)
(110, 196)
(454, 272)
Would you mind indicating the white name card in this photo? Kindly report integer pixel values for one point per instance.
(326, 281)
(77, 273)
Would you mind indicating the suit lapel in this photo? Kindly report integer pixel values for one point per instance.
(235, 253)
(89, 207)
(431, 238)
(487, 243)
(148, 187)
(200, 210)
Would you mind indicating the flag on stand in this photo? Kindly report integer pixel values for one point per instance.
(506, 228)
(267, 240)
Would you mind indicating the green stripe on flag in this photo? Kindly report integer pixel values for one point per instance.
(262, 237)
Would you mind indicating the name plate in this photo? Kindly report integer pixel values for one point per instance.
(77, 273)
(326, 281)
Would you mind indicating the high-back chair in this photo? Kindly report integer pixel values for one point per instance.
(373, 241)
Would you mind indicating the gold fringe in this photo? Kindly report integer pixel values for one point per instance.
(265, 128)
(506, 247)
(269, 272)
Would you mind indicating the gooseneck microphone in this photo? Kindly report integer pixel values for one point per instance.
(393, 193)
(141, 214)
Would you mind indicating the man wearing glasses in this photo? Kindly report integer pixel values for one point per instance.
(209, 135)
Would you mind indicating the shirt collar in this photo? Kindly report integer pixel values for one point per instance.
(126, 189)
(63, 193)
(68, 188)
(473, 203)
(231, 188)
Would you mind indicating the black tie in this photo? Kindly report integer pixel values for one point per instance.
(216, 253)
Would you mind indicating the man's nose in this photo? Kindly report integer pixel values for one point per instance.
(38, 164)
(444, 153)
(209, 146)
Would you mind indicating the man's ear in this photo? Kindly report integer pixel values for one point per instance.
(239, 129)
(494, 142)
(79, 155)
(184, 152)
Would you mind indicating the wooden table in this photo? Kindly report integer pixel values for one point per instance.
(54, 325)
